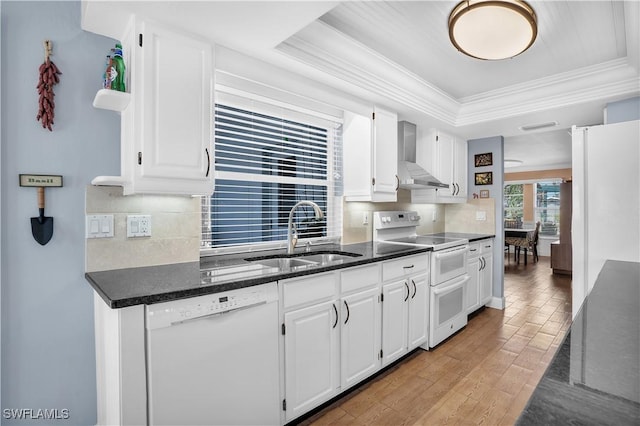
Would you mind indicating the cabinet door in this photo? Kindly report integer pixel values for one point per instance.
(357, 152)
(360, 340)
(486, 286)
(460, 165)
(394, 320)
(311, 357)
(385, 155)
(176, 113)
(418, 310)
(473, 291)
(445, 149)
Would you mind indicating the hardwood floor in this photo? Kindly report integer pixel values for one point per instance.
(483, 375)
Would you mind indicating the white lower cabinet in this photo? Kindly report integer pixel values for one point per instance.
(341, 327)
(311, 357)
(480, 270)
(418, 310)
(394, 320)
(360, 340)
(486, 277)
(405, 305)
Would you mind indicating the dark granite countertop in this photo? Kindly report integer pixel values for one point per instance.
(468, 236)
(594, 378)
(154, 284)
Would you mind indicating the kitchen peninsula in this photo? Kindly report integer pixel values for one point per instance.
(595, 376)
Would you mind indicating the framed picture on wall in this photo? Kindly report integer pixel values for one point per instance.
(484, 193)
(485, 159)
(484, 178)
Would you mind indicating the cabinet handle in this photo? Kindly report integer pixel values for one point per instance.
(408, 291)
(397, 182)
(487, 246)
(457, 189)
(407, 267)
(453, 188)
(206, 150)
(348, 313)
(336, 311)
(415, 288)
(472, 249)
(483, 263)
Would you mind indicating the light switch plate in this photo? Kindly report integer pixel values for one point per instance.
(99, 226)
(138, 225)
(481, 215)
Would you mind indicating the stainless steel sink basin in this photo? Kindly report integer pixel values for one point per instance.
(285, 262)
(326, 258)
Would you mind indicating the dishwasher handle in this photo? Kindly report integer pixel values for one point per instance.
(216, 314)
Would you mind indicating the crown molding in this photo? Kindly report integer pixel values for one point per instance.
(326, 49)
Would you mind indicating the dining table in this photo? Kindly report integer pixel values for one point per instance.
(513, 236)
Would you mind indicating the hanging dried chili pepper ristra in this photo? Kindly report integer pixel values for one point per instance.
(48, 78)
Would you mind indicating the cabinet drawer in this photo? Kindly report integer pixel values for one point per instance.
(405, 266)
(359, 277)
(310, 288)
(474, 249)
(486, 246)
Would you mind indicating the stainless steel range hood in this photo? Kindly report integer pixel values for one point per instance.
(410, 174)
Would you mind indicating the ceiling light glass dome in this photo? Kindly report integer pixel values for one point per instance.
(492, 30)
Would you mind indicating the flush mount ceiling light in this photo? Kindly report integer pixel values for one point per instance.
(512, 163)
(492, 30)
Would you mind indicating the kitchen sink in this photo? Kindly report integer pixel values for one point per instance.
(326, 258)
(301, 260)
(285, 262)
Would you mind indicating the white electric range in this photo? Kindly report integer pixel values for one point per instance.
(448, 269)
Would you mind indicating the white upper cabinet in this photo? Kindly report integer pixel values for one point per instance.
(370, 146)
(445, 156)
(167, 129)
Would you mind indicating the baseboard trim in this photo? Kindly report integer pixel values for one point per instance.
(496, 303)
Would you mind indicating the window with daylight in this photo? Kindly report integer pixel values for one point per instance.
(513, 205)
(547, 207)
(268, 157)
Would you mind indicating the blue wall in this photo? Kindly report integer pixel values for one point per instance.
(495, 145)
(625, 110)
(48, 356)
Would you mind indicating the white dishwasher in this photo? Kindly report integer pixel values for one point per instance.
(213, 360)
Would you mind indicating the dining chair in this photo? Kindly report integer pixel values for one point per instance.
(528, 243)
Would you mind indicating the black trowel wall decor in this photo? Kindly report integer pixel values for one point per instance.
(41, 226)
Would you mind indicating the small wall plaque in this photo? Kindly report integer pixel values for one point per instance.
(40, 180)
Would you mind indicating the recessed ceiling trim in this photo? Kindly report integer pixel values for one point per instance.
(326, 49)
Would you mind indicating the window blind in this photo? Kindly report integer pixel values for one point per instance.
(267, 158)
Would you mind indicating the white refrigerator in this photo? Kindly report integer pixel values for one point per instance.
(606, 201)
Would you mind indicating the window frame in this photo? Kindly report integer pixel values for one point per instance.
(333, 185)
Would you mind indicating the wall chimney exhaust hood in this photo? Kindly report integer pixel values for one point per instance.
(410, 174)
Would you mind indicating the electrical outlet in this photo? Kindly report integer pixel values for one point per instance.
(434, 216)
(365, 218)
(481, 215)
(138, 226)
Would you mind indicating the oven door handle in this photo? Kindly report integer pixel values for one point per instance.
(459, 283)
(450, 253)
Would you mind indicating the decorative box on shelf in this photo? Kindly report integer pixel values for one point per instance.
(111, 99)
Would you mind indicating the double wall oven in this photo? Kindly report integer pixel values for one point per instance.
(448, 269)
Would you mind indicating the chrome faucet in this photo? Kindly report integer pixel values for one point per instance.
(292, 235)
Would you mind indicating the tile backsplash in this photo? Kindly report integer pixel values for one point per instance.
(175, 223)
(477, 216)
(354, 231)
